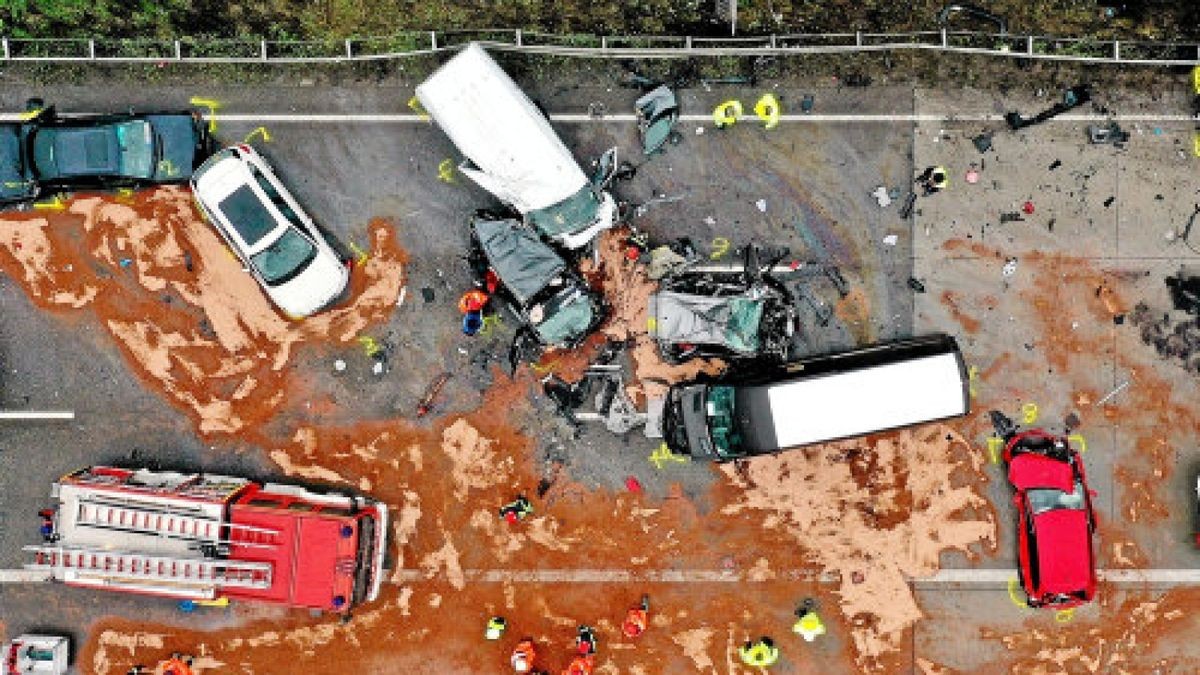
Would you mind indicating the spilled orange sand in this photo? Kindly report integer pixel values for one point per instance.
(176, 300)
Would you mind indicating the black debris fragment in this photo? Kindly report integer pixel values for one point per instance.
(1072, 98)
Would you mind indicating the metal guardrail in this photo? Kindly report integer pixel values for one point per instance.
(203, 50)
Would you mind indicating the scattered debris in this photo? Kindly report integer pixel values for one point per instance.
(1055, 164)
(1110, 134)
(1185, 292)
(425, 405)
(1109, 202)
(891, 239)
(881, 197)
(762, 205)
(1027, 208)
(339, 365)
(1010, 267)
(982, 142)
(1011, 217)
(657, 113)
(1112, 393)
(916, 285)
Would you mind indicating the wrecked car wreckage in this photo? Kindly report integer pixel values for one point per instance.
(551, 301)
(732, 312)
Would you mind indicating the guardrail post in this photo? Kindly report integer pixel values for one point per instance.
(517, 35)
(8, 56)
(687, 42)
(263, 45)
(433, 39)
(1029, 45)
(858, 38)
(773, 41)
(944, 42)
(604, 43)
(1116, 50)
(178, 51)
(92, 49)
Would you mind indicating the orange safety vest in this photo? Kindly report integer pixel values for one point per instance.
(472, 301)
(522, 657)
(581, 665)
(635, 622)
(173, 667)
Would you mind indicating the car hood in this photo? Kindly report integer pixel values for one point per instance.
(1064, 550)
(15, 184)
(1030, 471)
(180, 145)
(319, 285)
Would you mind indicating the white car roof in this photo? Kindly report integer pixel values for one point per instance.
(494, 123)
(223, 179)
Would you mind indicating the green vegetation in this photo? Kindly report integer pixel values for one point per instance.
(320, 20)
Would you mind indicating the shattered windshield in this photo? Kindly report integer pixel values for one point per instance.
(284, 259)
(136, 143)
(722, 426)
(571, 215)
(745, 316)
(1042, 500)
(567, 318)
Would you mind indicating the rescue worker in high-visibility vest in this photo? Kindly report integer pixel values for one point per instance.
(934, 179)
(808, 625)
(635, 619)
(760, 654)
(495, 628)
(523, 656)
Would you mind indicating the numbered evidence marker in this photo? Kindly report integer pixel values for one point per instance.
(720, 246)
(664, 454)
(446, 171)
(994, 445)
(212, 106)
(260, 131)
(1029, 413)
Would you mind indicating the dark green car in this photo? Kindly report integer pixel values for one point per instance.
(51, 153)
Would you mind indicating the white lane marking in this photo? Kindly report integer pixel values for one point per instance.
(946, 577)
(23, 576)
(410, 118)
(23, 415)
(998, 578)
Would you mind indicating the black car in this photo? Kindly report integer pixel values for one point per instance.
(551, 300)
(49, 152)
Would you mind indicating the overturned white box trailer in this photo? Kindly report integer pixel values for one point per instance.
(512, 150)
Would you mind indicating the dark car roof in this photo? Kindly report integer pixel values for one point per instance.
(87, 146)
(524, 264)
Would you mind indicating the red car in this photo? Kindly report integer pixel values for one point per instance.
(1055, 521)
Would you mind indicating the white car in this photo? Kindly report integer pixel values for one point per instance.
(276, 240)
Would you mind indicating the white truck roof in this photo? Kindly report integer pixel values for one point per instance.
(501, 131)
(857, 402)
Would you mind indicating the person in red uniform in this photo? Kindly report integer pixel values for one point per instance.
(522, 656)
(635, 619)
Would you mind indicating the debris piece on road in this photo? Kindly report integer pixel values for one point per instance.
(516, 510)
(1011, 217)
(427, 294)
(1027, 208)
(972, 176)
(982, 142)
(1072, 98)
(916, 285)
(891, 240)
(657, 113)
(762, 205)
(1108, 202)
(339, 365)
(1010, 267)
(1112, 393)
(881, 196)
(909, 203)
(806, 103)
(1110, 134)
(431, 394)
(633, 485)
(1055, 164)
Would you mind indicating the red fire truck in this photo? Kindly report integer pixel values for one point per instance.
(204, 536)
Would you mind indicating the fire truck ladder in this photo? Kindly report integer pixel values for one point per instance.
(133, 568)
(140, 518)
